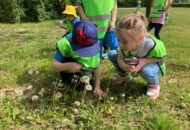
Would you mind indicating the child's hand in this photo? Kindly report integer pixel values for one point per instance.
(99, 93)
(142, 62)
(131, 68)
(74, 67)
(111, 25)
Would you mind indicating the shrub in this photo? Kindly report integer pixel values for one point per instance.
(11, 11)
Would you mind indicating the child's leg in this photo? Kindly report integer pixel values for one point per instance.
(150, 26)
(65, 76)
(158, 28)
(111, 40)
(112, 55)
(150, 73)
(101, 42)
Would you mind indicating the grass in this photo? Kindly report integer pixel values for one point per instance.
(26, 54)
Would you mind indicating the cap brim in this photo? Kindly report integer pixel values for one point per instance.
(86, 51)
(67, 13)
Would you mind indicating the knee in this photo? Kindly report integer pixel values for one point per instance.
(147, 72)
(112, 55)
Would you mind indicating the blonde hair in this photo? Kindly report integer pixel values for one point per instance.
(134, 24)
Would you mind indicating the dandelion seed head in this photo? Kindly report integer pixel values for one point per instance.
(19, 92)
(30, 72)
(123, 95)
(85, 79)
(30, 87)
(58, 95)
(37, 72)
(88, 87)
(41, 91)
(77, 103)
(35, 98)
(111, 98)
(76, 111)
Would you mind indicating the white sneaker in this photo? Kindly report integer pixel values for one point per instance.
(104, 55)
(153, 91)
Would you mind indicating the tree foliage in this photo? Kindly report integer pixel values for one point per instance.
(12, 11)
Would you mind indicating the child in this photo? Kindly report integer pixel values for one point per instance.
(148, 51)
(71, 18)
(79, 52)
(158, 15)
(103, 14)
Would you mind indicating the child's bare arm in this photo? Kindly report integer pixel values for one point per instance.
(72, 67)
(97, 90)
(81, 12)
(113, 17)
(121, 62)
(144, 61)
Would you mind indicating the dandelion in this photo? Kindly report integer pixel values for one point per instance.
(111, 98)
(41, 91)
(30, 72)
(58, 95)
(19, 92)
(66, 121)
(35, 98)
(88, 87)
(123, 95)
(85, 79)
(109, 111)
(76, 111)
(77, 103)
(2, 95)
(30, 87)
(37, 72)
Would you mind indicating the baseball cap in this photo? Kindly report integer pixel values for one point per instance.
(85, 39)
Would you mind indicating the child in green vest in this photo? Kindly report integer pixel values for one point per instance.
(78, 55)
(103, 14)
(139, 53)
(70, 18)
(158, 15)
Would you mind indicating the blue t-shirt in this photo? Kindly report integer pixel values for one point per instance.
(58, 55)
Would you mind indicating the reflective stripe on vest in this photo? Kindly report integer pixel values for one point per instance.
(157, 8)
(99, 12)
(99, 17)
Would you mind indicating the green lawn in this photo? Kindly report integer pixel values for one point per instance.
(26, 54)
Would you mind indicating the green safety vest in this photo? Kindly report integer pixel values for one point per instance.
(69, 25)
(158, 51)
(157, 8)
(66, 50)
(99, 12)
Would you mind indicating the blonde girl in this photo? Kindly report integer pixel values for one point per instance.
(135, 42)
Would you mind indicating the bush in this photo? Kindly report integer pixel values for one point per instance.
(11, 11)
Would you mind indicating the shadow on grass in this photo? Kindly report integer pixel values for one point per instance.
(179, 67)
(38, 80)
(133, 88)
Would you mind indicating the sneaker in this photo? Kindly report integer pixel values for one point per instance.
(153, 91)
(104, 55)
